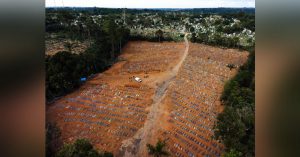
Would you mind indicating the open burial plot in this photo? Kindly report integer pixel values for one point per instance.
(150, 57)
(112, 107)
(103, 113)
(192, 101)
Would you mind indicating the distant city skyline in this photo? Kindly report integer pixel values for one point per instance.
(152, 3)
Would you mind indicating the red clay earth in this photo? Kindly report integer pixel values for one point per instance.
(177, 100)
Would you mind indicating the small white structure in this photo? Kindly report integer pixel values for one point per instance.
(137, 79)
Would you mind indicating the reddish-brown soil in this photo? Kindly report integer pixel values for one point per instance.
(177, 100)
(192, 102)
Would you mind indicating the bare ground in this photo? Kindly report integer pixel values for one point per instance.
(136, 146)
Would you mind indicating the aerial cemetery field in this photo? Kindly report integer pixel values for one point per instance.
(192, 102)
(120, 115)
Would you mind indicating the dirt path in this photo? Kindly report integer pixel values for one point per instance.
(136, 146)
(176, 68)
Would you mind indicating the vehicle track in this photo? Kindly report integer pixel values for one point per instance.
(136, 146)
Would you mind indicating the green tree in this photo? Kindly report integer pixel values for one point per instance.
(81, 148)
(66, 16)
(159, 33)
(230, 128)
(192, 29)
(193, 38)
(109, 27)
(187, 27)
(203, 37)
(122, 35)
(232, 153)
(61, 76)
(236, 124)
(158, 149)
(64, 69)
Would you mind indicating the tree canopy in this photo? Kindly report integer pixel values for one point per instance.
(81, 148)
(236, 124)
(64, 69)
(158, 149)
(159, 33)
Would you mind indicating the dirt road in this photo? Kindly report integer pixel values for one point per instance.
(136, 146)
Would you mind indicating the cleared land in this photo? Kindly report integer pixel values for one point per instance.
(56, 45)
(178, 100)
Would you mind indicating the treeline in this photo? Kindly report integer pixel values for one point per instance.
(151, 39)
(72, 24)
(220, 10)
(157, 37)
(64, 70)
(156, 10)
(246, 21)
(218, 40)
(235, 125)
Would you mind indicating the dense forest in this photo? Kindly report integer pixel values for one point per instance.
(235, 126)
(246, 21)
(64, 69)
